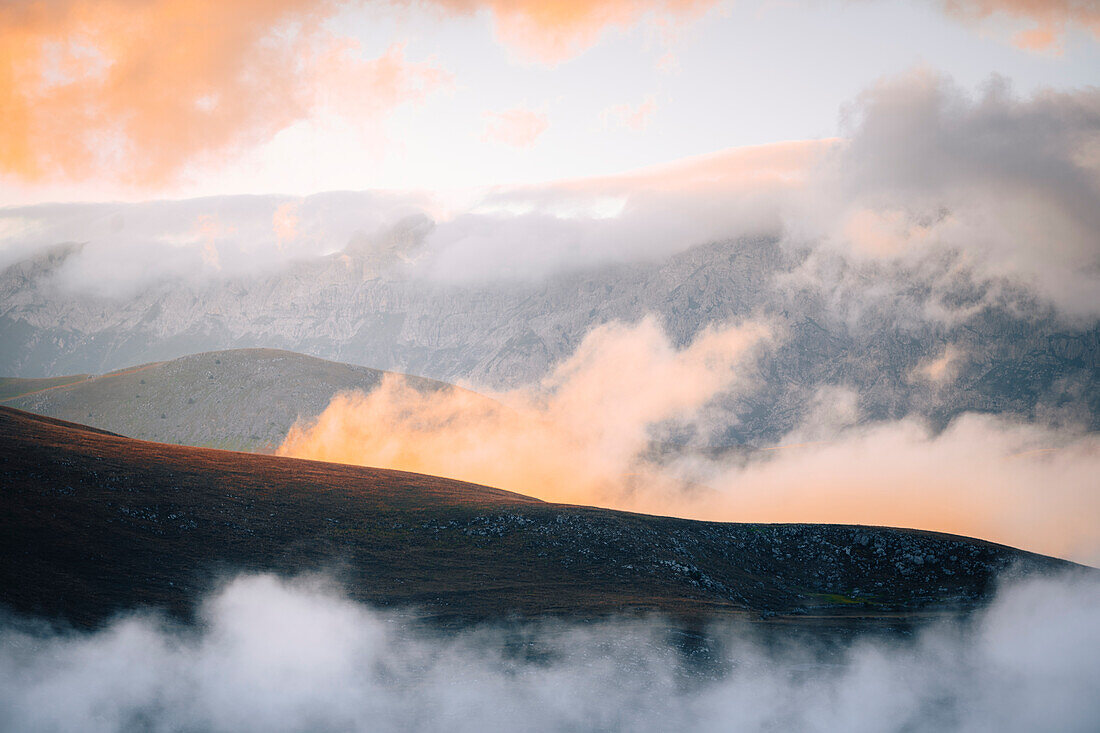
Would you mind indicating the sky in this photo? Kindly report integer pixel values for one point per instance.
(130, 101)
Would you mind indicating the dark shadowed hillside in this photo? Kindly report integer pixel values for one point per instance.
(94, 523)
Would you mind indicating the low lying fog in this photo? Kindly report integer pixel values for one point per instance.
(581, 436)
(297, 655)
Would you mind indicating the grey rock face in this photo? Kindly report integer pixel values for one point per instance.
(862, 330)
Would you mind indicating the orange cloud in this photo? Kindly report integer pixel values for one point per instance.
(518, 127)
(583, 436)
(1018, 484)
(1036, 39)
(727, 171)
(625, 117)
(551, 31)
(135, 91)
(1051, 17)
(570, 438)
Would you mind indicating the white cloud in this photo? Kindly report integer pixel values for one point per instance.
(931, 184)
(279, 655)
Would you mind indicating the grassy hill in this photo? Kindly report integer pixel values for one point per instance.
(12, 387)
(94, 523)
(243, 399)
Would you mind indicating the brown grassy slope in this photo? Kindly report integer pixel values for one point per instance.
(94, 523)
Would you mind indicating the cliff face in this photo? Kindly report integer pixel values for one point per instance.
(997, 351)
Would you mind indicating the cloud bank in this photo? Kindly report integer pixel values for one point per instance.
(128, 248)
(1008, 185)
(998, 479)
(1005, 188)
(572, 438)
(930, 183)
(594, 433)
(531, 232)
(279, 655)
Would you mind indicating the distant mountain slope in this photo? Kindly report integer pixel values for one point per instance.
(12, 387)
(875, 332)
(244, 399)
(95, 523)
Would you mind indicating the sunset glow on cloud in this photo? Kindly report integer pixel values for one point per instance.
(565, 365)
(883, 171)
(518, 127)
(140, 90)
(144, 89)
(1046, 21)
(551, 31)
(627, 117)
(580, 437)
(179, 97)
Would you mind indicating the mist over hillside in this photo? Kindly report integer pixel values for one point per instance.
(939, 259)
(996, 350)
(296, 654)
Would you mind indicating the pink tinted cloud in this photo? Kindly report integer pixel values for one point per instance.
(627, 117)
(552, 31)
(134, 92)
(518, 127)
(735, 169)
(1049, 18)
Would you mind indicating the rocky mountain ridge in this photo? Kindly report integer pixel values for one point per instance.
(995, 352)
